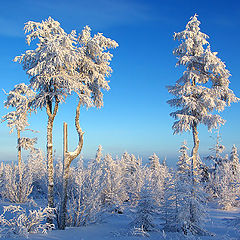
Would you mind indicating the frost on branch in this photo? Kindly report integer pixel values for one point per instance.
(64, 63)
(14, 190)
(51, 66)
(27, 143)
(24, 222)
(20, 98)
(94, 63)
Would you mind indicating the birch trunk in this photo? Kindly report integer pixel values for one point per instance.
(68, 158)
(51, 117)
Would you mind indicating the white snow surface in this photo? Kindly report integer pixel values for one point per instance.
(116, 226)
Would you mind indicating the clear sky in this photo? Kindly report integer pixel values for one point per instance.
(135, 116)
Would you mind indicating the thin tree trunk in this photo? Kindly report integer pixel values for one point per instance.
(19, 152)
(195, 147)
(194, 172)
(19, 166)
(68, 158)
(51, 117)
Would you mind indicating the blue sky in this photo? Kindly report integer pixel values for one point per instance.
(135, 116)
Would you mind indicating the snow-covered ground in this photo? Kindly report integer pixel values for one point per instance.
(116, 226)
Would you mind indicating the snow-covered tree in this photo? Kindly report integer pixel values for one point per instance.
(15, 190)
(190, 197)
(203, 88)
(113, 192)
(145, 211)
(184, 199)
(37, 166)
(184, 160)
(156, 174)
(61, 64)
(18, 185)
(217, 151)
(227, 182)
(99, 154)
(154, 162)
(132, 176)
(20, 98)
(234, 158)
(76, 207)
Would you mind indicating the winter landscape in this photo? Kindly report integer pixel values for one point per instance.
(154, 164)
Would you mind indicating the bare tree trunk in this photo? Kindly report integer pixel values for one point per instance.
(194, 171)
(51, 117)
(195, 147)
(19, 166)
(68, 158)
(19, 152)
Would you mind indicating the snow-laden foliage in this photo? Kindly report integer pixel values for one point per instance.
(113, 193)
(58, 174)
(27, 143)
(64, 62)
(145, 210)
(184, 199)
(37, 167)
(94, 64)
(61, 64)
(227, 184)
(16, 186)
(184, 160)
(22, 222)
(156, 174)
(234, 158)
(132, 176)
(85, 195)
(216, 158)
(19, 98)
(192, 95)
(75, 204)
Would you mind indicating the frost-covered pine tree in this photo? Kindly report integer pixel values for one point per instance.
(113, 192)
(227, 184)
(190, 197)
(154, 162)
(132, 176)
(157, 173)
(184, 199)
(203, 88)
(144, 217)
(184, 160)
(217, 150)
(61, 64)
(234, 158)
(225, 181)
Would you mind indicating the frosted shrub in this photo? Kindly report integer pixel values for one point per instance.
(140, 232)
(37, 166)
(24, 222)
(17, 186)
